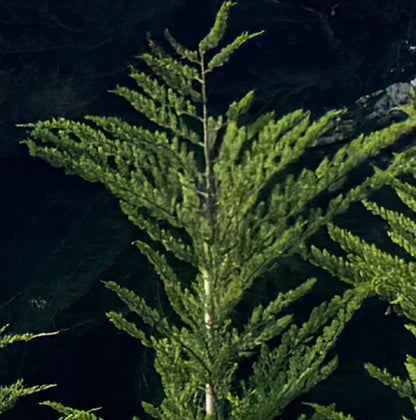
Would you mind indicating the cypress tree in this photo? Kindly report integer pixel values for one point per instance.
(221, 194)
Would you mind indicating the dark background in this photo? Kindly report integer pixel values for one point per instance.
(60, 235)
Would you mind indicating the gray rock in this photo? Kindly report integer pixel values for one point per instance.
(370, 112)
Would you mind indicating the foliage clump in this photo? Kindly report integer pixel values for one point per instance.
(388, 274)
(220, 193)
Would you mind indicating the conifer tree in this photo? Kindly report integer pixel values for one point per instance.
(220, 193)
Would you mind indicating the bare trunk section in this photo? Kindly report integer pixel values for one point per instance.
(210, 400)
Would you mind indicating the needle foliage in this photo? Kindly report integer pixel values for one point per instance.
(386, 274)
(224, 194)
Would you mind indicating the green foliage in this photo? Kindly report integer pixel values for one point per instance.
(292, 368)
(10, 394)
(405, 387)
(223, 196)
(388, 276)
(72, 413)
(328, 413)
(223, 56)
(8, 339)
(217, 31)
(385, 274)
